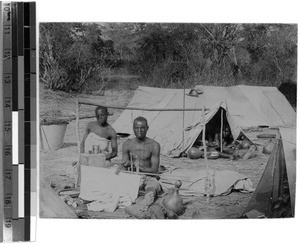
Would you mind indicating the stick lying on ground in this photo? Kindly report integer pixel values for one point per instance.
(139, 173)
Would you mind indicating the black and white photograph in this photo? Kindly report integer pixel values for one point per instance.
(156, 120)
(149, 121)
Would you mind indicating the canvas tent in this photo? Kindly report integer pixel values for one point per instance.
(245, 106)
(275, 194)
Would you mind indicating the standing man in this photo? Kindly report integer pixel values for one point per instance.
(145, 153)
(100, 133)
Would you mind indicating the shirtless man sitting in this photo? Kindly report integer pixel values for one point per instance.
(146, 153)
(102, 129)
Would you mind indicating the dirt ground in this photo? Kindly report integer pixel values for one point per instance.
(55, 165)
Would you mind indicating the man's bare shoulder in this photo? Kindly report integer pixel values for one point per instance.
(111, 133)
(153, 142)
(128, 143)
(91, 124)
(149, 141)
(96, 124)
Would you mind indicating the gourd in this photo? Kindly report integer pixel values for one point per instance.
(173, 200)
(195, 153)
(246, 144)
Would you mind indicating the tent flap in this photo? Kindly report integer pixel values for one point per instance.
(275, 193)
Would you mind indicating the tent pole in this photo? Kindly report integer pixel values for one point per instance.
(77, 125)
(221, 132)
(183, 119)
(207, 183)
(78, 144)
(93, 103)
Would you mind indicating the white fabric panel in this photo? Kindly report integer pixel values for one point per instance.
(241, 110)
(222, 181)
(280, 105)
(262, 104)
(96, 182)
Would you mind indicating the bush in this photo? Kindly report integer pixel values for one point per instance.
(71, 54)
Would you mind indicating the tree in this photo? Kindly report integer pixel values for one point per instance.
(168, 55)
(72, 53)
(273, 52)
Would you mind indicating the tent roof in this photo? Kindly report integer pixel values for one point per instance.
(246, 106)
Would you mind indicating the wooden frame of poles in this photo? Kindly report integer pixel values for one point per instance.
(92, 103)
(87, 102)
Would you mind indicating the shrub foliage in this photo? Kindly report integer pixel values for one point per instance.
(168, 55)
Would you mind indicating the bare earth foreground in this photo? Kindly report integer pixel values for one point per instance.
(54, 165)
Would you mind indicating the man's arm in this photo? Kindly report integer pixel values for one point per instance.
(114, 145)
(155, 159)
(125, 157)
(87, 131)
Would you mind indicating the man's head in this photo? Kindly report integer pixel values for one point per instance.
(140, 127)
(226, 132)
(101, 114)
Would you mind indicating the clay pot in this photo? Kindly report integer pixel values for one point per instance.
(246, 144)
(173, 201)
(195, 153)
(239, 146)
(228, 150)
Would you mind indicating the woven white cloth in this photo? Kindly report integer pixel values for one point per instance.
(108, 189)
